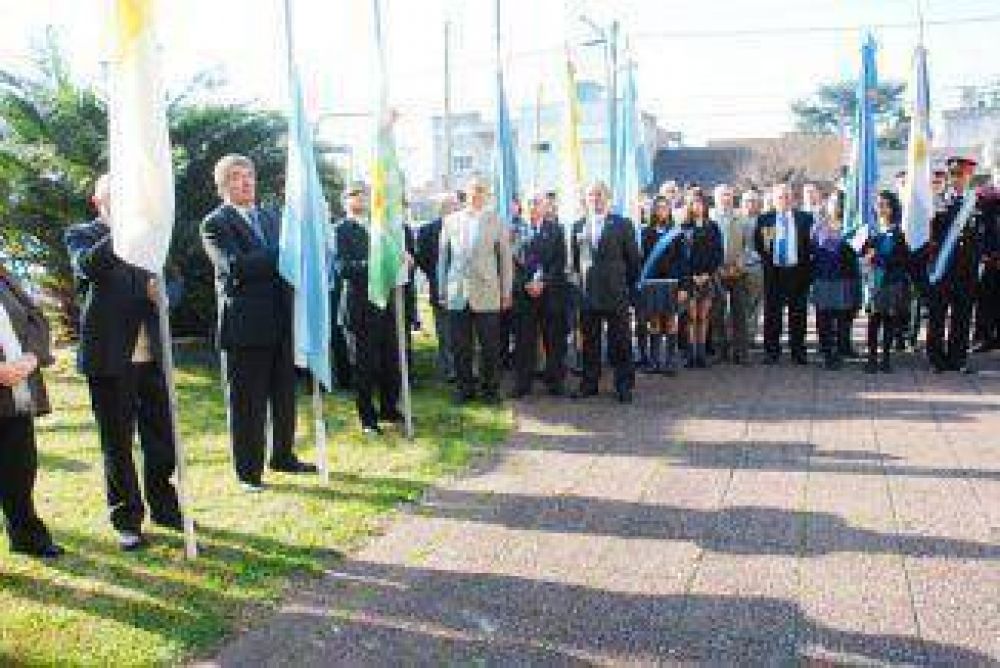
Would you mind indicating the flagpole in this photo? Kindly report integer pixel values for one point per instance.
(404, 362)
(166, 341)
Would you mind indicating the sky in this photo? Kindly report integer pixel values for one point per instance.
(708, 68)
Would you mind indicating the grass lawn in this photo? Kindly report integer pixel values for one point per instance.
(100, 606)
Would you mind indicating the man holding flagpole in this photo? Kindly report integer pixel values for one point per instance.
(141, 201)
(254, 329)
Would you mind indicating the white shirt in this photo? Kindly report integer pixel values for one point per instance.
(12, 352)
(596, 228)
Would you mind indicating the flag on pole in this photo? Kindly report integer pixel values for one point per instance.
(632, 162)
(505, 183)
(142, 179)
(572, 176)
(302, 249)
(860, 218)
(387, 243)
(918, 198)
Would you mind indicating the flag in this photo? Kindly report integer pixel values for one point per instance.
(302, 250)
(859, 217)
(142, 179)
(918, 198)
(572, 176)
(386, 240)
(505, 185)
(632, 164)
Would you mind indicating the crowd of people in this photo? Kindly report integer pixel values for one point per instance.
(685, 286)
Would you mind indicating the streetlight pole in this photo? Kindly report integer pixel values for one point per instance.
(446, 118)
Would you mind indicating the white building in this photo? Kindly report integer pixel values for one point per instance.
(974, 123)
(538, 132)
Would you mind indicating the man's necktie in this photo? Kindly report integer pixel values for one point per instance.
(783, 241)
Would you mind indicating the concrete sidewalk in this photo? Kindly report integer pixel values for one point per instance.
(761, 515)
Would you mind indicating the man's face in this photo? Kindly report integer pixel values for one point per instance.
(476, 196)
(810, 196)
(539, 209)
(782, 198)
(752, 205)
(726, 199)
(960, 178)
(938, 184)
(597, 201)
(662, 210)
(241, 186)
(356, 203)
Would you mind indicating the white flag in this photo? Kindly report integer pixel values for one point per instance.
(918, 199)
(142, 180)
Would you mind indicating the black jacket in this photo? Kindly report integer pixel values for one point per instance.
(608, 283)
(254, 302)
(426, 255)
(542, 253)
(114, 302)
(352, 265)
(803, 233)
(32, 331)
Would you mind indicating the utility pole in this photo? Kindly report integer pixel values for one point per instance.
(446, 120)
(612, 59)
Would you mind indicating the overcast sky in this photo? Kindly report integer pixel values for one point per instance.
(709, 68)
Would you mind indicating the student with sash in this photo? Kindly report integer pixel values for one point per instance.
(953, 255)
(663, 284)
(888, 256)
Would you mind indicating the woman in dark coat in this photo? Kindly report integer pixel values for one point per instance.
(24, 348)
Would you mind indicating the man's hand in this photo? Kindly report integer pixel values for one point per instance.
(505, 303)
(13, 373)
(534, 288)
(153, 291)
(408, 260)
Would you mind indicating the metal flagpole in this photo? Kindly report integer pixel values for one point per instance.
(404, 363)
(166, 341)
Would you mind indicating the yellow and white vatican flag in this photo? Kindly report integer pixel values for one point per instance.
(142, 180)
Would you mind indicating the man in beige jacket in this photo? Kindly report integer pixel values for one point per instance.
(475, 273)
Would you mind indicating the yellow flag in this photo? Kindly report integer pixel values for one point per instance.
(142, 181)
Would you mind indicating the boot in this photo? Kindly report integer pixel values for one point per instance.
(874, 321)
(669, 352)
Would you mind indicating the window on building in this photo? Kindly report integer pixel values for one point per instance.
(461, 163)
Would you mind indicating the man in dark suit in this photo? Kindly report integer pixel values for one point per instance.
(781, 238)
(540, 298)
(426, 256)
(121, 354)
(606, 257)
(24, 349)
(371, 329)
(254, 324)
(339, 354)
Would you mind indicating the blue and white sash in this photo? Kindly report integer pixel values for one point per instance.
(662, 244)
(951, 239)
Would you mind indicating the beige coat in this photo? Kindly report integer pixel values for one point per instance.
(475, 265)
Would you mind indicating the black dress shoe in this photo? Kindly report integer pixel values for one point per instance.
(800, 359)
(519, 393)
(294, 466)
(557, 391)
(464, 396)
(172, 523)
(392, 416)
(624, 396)
(770, 360)
(371, 430)
(48, 550)
(583, 393)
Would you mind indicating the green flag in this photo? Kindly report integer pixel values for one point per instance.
(387, 244)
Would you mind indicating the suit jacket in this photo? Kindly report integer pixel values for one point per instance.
(114, 302)
(254, 302)
(764, 235)
(426, 256)
(32, 331)
(475, 266)
(963, 267)
(542, 254)
(608, 273)
(352, 266)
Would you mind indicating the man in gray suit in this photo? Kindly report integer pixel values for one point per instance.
(475, 274)
(606, 257)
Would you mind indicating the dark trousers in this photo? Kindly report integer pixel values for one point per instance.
(889, 325)
(785, 288)
(136, 398)
(257, 378)
(619, 347)
(952, 305)
(832, 332)
(376, 363)
(642, 335)
(18, 470)
(468, 326)
(988, 307)
(544, 316)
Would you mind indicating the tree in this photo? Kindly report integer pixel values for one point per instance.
(836, 104)
(53, 145)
